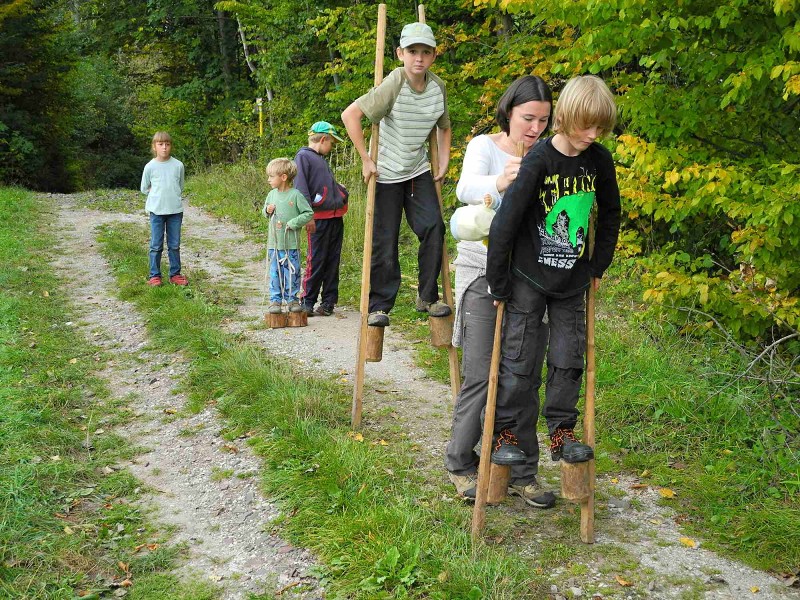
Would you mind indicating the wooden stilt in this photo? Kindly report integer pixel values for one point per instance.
(276, 320)
(297, 319)
(441, 331)
(482, 488)
(499, 477)
(358, 388)
(374, 344)
(575, 481)
(587, 505)
(447, 286)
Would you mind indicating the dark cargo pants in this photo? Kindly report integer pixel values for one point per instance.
(478, 322)
(565, 357)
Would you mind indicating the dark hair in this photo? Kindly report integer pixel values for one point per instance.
(528, 88)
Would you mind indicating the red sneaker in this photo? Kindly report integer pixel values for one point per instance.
(154, 281)
(179, 280)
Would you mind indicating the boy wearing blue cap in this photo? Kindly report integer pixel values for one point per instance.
(328, 199)
(409, 104)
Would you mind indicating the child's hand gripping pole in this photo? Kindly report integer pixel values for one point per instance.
(482, 488)
(358, 387)
(447, 287)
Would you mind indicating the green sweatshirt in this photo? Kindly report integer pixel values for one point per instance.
(292, 211)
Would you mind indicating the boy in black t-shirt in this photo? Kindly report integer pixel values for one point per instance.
(538, 258)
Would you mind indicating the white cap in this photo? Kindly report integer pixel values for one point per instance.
(417, 33)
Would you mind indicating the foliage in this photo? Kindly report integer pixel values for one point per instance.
(35, 56)
(709, 161)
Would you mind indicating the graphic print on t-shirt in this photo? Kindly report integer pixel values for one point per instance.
(563, 232)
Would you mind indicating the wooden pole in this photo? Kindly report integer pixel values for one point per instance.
(587, 506)
(358, 388)
(447, 287)
(482, 488)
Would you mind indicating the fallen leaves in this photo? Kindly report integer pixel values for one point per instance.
(623, 582)
(666, 493)
(355, 436)
(688, 542)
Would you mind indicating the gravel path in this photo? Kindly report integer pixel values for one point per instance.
(226, 521)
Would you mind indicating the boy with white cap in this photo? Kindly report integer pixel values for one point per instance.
(409, 103)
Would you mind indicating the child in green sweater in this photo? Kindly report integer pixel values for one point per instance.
(287, 211)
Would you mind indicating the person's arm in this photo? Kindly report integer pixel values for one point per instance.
(182, 180)
(443, 139)
(351, 117)
(305, 210)
(145, 185)
(268, 208)
(301, 181)
(476, 178)
(513, 212)
(608, 214)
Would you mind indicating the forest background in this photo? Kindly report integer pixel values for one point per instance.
(707, 147)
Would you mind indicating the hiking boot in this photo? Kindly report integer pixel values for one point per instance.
(309, 310)
(178, 280)
(294, 307)
(274, 308)
(378, 319)
(154, 281)
(465, 484)
(323, 310)
(434, 309)
(533, 495)
(506, 451)
(564, 445)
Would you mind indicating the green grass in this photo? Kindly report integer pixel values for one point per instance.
(66, 518)
(663, 398)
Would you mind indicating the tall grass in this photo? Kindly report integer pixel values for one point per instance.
(66, 519)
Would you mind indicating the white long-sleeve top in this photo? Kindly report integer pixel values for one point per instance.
(484, 161)
(163, 182)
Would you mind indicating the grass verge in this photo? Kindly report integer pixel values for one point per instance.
(69, 525)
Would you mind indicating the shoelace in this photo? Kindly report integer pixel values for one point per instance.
(558, 437)
(507, 437)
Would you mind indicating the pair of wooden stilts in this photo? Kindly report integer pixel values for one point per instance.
(577, 480)
(286, 319)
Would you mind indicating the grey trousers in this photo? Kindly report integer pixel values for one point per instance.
(479, 314)
(519, 364)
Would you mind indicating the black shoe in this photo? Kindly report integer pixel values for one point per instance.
(565, 446)
(378, 319)
(323, 310)
(309, 310)
(506, 451)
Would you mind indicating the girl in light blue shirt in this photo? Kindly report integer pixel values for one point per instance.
(162, 181)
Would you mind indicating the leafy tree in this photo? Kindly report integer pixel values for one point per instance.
(35, 59)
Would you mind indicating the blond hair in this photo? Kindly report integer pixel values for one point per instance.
(584, 102)
(159, 136)
(314, 138)
(282, 166)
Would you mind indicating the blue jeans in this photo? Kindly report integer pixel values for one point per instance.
(172, 225)
(284, 275)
